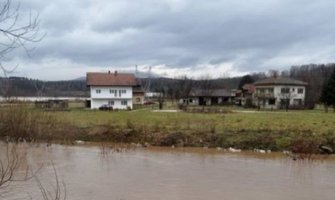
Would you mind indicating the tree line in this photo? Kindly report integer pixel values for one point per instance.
(20, 86)
(328, 92)
(316, 75)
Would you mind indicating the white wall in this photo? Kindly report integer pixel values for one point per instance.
(191, 101)
(99, 99)
(293, 93)
(278, 95)
(105, 94)
(96, 103)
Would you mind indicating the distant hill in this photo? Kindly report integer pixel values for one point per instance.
(22, 86)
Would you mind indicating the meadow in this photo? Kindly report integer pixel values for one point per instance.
(315, 121)
(300, 131)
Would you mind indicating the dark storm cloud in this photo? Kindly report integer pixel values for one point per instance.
(252, 35)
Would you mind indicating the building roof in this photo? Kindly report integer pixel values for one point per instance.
(249, 88)
(110, 79)
(210, 93)
(279, 81)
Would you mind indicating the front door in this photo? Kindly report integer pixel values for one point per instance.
(202, 101)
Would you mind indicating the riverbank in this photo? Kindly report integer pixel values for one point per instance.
(299, 131)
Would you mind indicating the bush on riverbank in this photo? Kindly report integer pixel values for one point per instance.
(19, 122)
(23, 123)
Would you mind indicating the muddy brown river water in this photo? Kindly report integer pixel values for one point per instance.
(179, 174)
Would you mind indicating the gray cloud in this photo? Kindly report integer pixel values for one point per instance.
(250, 35)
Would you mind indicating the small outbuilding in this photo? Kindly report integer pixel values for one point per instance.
(53, 104)
(209, 97)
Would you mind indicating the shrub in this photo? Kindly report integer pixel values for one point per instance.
(305, 145)
(172, 139)
(21, 122)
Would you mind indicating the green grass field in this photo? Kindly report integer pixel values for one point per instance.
(315, 121)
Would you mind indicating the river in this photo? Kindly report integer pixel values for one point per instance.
(179, 174)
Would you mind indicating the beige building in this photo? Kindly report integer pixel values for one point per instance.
(138, 96)
(279, 92)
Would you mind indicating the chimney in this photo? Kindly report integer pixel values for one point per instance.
(115, 73)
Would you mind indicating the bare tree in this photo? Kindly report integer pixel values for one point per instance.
(206, 88)
(273, 73)
(161, 98)
(16, 31)
(206, 85)
(162, 90)
(11, 164)
(183, 87)
(286, 97)
(315, 75)
(40, 87)
(146, 85)
(59, 190)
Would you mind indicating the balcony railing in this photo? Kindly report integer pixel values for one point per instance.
(264, 95)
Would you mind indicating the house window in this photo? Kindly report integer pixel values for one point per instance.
(120, 93)
(300, 90)
(123, 91)
(297, 102)
(98, 91)
(284, 102)
(272, 101)
(261, 91)
(113, 92)
(111, 103)
(270, 90)
(138, 99)
(124, 102)
(285, 90)
(293, 89)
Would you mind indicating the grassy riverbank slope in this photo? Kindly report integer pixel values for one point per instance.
(299, 131)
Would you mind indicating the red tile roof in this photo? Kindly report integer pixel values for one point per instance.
(110, 79)
(250, 88)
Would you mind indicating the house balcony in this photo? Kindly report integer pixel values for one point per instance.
(265, 95)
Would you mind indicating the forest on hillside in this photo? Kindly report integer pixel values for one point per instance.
(21, 86)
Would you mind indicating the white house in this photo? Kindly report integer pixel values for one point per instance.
(279, 92)
(113, 89)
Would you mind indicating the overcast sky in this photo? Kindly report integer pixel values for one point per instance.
(177, 37)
